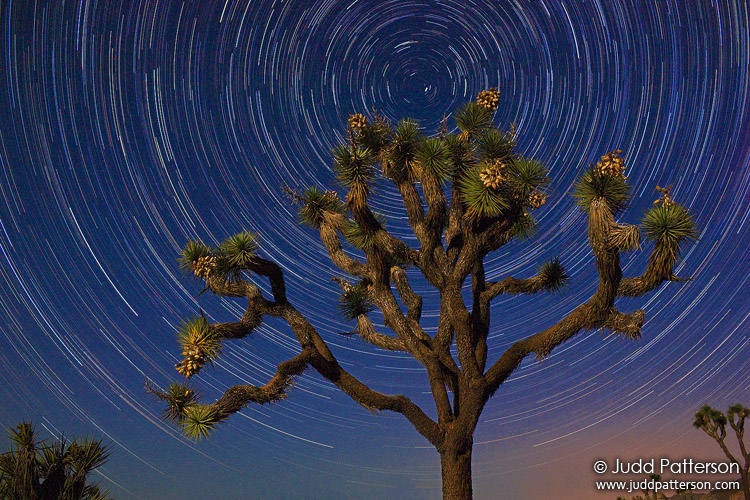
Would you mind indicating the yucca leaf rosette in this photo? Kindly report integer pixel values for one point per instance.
(354, 170)
(198, 421)
(376, 136)
(553, 275)
(316, 203)
(240, 250)
(594, 185)
(495, 145)
(668, 225)
(197, 258)
(432, 158)
(527, 176)
(178, 397)
(473, 119)
(359, 237)
(460, 154)
(400, 158)
(482, 198)
(200, 344)
(524, 227)
(709, 418)
(355, 301)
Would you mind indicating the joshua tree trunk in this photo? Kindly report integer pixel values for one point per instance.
(456, 471)
(455, 464)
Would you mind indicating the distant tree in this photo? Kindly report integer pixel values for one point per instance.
(466, 194)
(59, 470)
(647, 491)
(713, 422)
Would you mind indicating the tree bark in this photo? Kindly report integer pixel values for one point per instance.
(455, 464)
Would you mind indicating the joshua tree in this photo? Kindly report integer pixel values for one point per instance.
(50, 471)
(713, 422)
(466, 194)
(647, 491)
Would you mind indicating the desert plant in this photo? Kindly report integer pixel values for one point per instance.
(713, 422)
(465, 194)
(57, 470)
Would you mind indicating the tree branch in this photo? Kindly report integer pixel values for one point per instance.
(540, 344)
(414, 209)
(331, 224)
(415, 340)
(275, 276)
(237, 397)
(597, 312)
(660, 267)
(412, 300)
(325, 363)
(366, 332)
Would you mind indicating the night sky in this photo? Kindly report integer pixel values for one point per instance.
(130, 127)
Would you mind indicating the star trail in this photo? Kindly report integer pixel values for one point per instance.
(131, 127)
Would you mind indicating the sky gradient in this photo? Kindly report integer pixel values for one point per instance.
(131, 127)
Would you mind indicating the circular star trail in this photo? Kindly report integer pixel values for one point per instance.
(130, 127)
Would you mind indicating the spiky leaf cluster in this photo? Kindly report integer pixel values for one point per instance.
(625, 237)
(355, 301)
(489, 190)
(235, 254)
(198, 421)
(739, 412)
(86, 455)
(709, 418)
(594, 185)
(178, 397)
(240, 250)
(400, 157)
(474, 160)
(473, 119)
(204, 262)
(376, 136)
(354, 170)
(669, 224)
(553, 275)
(316, 204)
(200, 344)
(194, 251)
(361, 238)
(481, 199)
(460, 153)
(524, 227)
(526, 176)
(55, 469)
(183, 408)
(496, 145)
(432, 158)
